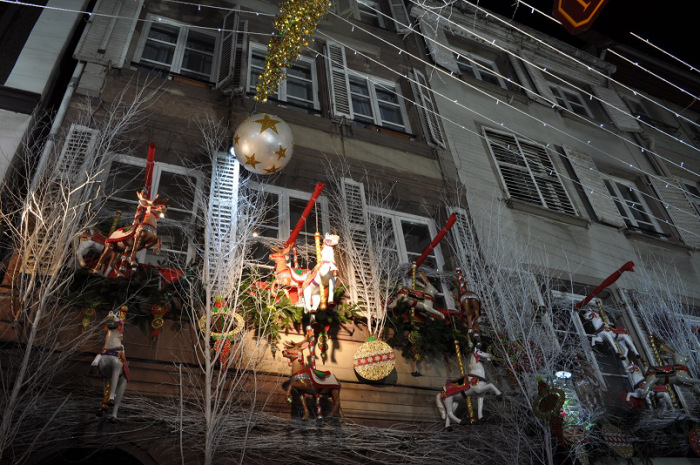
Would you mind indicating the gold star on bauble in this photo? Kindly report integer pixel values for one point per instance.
(281, 153)
(250, 160)
(236, 138)
(271, 170)
(267, 123)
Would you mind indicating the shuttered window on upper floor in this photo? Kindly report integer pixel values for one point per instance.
(528, 172)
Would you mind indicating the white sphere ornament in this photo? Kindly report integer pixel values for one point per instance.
(263, 143)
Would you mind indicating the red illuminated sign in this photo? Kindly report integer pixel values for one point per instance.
(577, 15)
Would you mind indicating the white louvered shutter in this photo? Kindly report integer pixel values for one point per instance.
(402, 22)
(593, 185)
(107, 36)
(78, 151)
(540, 82)
(680, 209)
(427, 110)
(360, 278)
(437, 44)
(338, 80)
(221, 227)
(464, 242)
(616, 108)
(229, 51)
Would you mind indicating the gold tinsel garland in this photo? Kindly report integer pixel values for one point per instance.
(296, 21)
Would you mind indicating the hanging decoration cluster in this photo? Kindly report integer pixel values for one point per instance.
(296, 21)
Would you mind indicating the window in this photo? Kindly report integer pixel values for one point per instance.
(570, 99)
(528, 172)
(631, 205)
(480, 68)
(126, 176)
(412, 234)
(370, 13)
(177, 48)
(376, 103)
(283, 208)
(299, 89)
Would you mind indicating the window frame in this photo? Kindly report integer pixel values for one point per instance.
(396, 219)
(180, 46)
(614, 188)
(281, 95)
(377, 19)
(284, 226)
(563, 95)
(476, 64)
(372, 83)
(525, 168)
(159, 167)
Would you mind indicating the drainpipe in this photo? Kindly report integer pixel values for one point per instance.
(56, 125)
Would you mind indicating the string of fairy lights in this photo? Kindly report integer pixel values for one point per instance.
(673, 57)
(430, 65)
(354, 26)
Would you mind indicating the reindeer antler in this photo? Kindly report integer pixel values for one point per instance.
(297, 345)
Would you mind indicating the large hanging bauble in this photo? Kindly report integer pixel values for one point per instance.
(374, 360)
(263, 143)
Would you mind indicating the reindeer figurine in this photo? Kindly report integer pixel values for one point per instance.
(307, 380)
(129, 240)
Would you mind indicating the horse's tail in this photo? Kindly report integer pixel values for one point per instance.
(440, 405)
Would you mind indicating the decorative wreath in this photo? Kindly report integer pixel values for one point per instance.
(225, 323)
(549, 403)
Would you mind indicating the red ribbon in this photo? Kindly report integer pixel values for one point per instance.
(450, 221)
(300, 224)
(629, 266)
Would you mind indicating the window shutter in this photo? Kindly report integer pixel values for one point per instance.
(541, 84)
(546, 176)
(427, 110)
(230, 50)
(78, 153)
(616, 108)
(221, 228)
(437, 44)
(519, 69)
(464, 241)
(108, 32)
(402, 22)
(360, 278)
(593, 185)
(338, 80)
(680, 209)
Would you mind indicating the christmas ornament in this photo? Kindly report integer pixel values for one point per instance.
(549, 401)
(294, 24)
(263, 143)
(225, 323)
(617, 440)
(374, 359)
(88, 315)
(223, 346)
(158, 311)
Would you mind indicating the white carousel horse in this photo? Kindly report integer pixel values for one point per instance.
(420, 301)
(641, 391)
(112, 366)
(323, 274)
(129, 240)
(473, 384)
(286, 278)
(91, 239)
(306, 380)
(677, 373)
(614, 337)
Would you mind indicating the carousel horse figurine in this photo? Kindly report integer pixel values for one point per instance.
(307, 380)
(129, 240)
(677, 373)
(473, 384)
(614, 337)
(420, 301)
(469, 305)
(91, 239)
(111, 363)
(286, 278)
(323, 274)
(639, 388)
